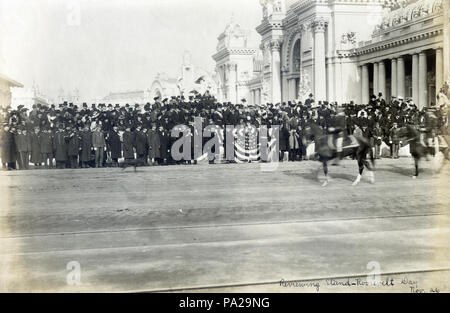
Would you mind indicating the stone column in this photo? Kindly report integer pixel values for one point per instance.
(284, 84)
(393, 78)
(375, 78)
(415, 78)
(400, 77)
(382, 79)
(439, 69)
(275, 46)
(423, 84)
(446, 37)
(292, 94)
(320, 81)
(232, 88)
(365, 84)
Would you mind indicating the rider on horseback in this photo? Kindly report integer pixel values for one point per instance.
(338, 128)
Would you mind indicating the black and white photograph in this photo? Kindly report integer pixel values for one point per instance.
(224, 147)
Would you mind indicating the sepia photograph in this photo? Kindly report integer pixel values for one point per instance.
(241, 148)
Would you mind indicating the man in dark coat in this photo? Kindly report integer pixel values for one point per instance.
(73, 148)
(8, 154)
(164, 146)
(99, 144)
(310, 101)
(47, 147)
(128, 144)
(113, 146)
(60, 144)
(141, 145)
(36, 156)
(23, 147)
(86, 146)
(153, 144)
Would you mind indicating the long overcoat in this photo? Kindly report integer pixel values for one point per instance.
(114, 145)
(7, 147)
(36, 155)
(46, 143)
(141, 142)
(60, 145)
(128, 144)
(74, 144)
(86, 145)
(153, 144)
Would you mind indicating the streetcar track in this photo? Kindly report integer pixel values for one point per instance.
(224, 225)
(223, 243)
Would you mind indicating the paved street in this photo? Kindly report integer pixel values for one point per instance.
(224, 227)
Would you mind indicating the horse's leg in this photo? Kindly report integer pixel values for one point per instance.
(318, 171)
(361, 169)
(416, 166)
(370, 172)
(325, 171)
(370, 166)
(360, 158)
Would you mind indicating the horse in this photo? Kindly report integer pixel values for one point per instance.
(418, 147)
(326, 151)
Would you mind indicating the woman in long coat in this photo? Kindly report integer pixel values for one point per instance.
(36, 155)
(7, 145)
(153, 144)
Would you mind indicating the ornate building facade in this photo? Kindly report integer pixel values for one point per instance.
(234, 64)
(343, 50)
(192, 80)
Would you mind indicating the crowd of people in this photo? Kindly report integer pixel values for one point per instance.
(97, 135)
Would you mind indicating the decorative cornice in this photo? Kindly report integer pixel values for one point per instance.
(233, 51)
(267, 26)
(397, 42)
(413, 11)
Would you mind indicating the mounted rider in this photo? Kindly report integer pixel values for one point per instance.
(338, 129)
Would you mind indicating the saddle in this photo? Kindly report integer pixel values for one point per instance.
(349, 141)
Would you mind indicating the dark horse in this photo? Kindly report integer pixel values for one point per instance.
(418, 146)
(326, 150)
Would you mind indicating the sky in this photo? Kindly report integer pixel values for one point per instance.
(103, 46)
